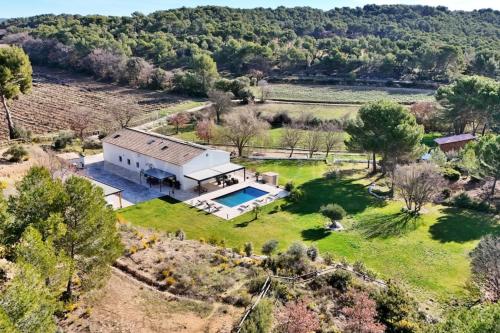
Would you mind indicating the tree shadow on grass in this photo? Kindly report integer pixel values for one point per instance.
(353, 197)
(463, 225)
(315, 234)
(385, 226)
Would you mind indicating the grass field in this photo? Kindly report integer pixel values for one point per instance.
(325, 112)
(429, 254)
(345, 94)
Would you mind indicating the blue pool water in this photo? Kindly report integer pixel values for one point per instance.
(240, 196)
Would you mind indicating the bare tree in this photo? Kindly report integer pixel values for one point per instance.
(291, 137)
(417, 184)
(205, 130)
(485, 266)
(264, 90)
(105, 64)
(123, 113)
(332, 137)
(221, 102)
(79, 121)
(242, 126)
(57, 167)
(312, 140)
(178, 120)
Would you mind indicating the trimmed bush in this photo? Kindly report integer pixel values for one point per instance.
(334, 212)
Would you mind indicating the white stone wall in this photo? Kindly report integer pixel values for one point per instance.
(205, 160)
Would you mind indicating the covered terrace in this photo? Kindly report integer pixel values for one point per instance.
(159, 175)
(218, 172)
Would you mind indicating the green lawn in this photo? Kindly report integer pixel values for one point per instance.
(345, 94)
(430, 254)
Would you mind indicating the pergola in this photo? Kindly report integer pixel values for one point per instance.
(108, 189)
(157, 174)
(213, 172)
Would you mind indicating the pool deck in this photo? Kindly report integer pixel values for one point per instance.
(206, 201)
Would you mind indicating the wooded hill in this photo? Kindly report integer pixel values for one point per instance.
(390, 41)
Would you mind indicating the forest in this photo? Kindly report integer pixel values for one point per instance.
(390, 42)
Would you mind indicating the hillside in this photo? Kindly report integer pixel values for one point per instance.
(59, 97)
(393, 41)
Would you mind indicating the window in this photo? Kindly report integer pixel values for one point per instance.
(116, 136)
(137, 165)
(164, 147)
(128, 161)
(120, 158)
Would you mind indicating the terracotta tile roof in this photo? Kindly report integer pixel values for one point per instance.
(158, 146)
(454, 138)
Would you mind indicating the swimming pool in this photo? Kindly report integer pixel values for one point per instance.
(241, 196)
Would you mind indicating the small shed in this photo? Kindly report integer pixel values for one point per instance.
(454, 142)
(270, 178)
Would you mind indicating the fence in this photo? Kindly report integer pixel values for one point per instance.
(304, 278)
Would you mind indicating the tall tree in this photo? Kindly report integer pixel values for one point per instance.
(178, 120)
(38, 198)
(385, 128)
(470, 100)
(205, 68)
(15, 78)
(417, 184)
(221, 102)
(91, 241)
(26, 303)
(291, 137)
(488, 157)
(312, 140)
(242, 126)
(332, 137)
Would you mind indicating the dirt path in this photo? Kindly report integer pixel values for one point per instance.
(128, 305)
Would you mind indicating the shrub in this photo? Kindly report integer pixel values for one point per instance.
(333, 212)
(62, 140)
(181, 235)
(328, 258)
(450, 174)
(16, 153)
(296, 194)
(92, 144)
(21, 133)
(340, 280)
(312, 252)
(248, 249)
(463, 200)
(289, 186)
(260, 319)
(269, 247)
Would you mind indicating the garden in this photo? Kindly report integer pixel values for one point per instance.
(428, 253)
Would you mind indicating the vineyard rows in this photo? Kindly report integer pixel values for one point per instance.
(58, 97)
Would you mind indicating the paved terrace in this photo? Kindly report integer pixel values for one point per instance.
(133, 192)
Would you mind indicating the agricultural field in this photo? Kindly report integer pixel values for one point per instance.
(59, 97)
(428, 253)
(345, 94)
(295, 110)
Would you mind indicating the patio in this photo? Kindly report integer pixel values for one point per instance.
(206, 201)
(134, 190)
